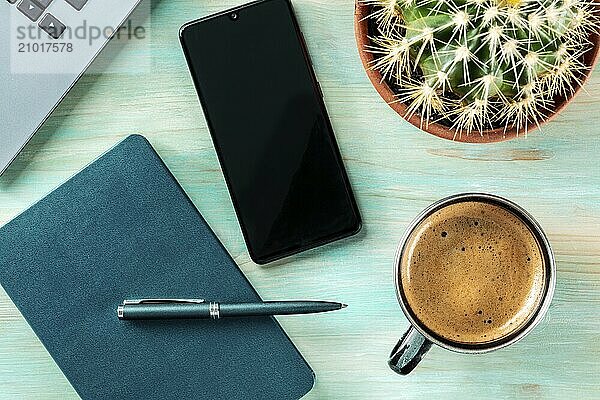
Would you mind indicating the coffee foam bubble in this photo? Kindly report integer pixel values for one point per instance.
(473, 272)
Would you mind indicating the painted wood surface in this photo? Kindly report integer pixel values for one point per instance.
(396, 171)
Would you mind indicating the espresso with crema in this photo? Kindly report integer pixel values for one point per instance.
(473, 273)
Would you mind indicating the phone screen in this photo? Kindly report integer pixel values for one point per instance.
(270, 128)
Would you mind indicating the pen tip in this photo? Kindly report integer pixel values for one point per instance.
(344, 305)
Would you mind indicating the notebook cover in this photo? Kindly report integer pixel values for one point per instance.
(123, 228)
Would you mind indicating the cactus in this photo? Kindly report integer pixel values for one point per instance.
(476, 65)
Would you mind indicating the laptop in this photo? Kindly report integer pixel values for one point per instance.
(46, 46)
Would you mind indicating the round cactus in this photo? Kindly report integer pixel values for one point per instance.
(482, 64)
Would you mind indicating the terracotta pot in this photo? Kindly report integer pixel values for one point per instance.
(361, 24)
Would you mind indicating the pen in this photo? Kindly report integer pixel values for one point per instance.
(147, 309)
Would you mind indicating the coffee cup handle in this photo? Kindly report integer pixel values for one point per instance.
(408, 352)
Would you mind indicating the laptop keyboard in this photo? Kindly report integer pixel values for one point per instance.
(34, 9)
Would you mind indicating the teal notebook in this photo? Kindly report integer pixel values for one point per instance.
(123, 228)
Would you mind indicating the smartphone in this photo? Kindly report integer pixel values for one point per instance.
(266, 115)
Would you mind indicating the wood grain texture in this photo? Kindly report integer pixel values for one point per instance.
(396, 171)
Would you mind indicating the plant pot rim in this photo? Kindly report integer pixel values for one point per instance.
(361, 29)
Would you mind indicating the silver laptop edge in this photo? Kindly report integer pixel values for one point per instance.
(30, 98)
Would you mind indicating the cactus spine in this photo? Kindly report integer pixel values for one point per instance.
(482, 64)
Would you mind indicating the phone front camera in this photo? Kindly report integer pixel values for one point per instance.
(234, 16)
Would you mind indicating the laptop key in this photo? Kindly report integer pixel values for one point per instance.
(30, 9)
(77, 4)
(52, 26)
(43, 3)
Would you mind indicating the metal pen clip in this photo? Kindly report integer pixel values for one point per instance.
(163, 301)
(155, 301)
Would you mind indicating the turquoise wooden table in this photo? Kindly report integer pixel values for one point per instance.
(396, 171)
